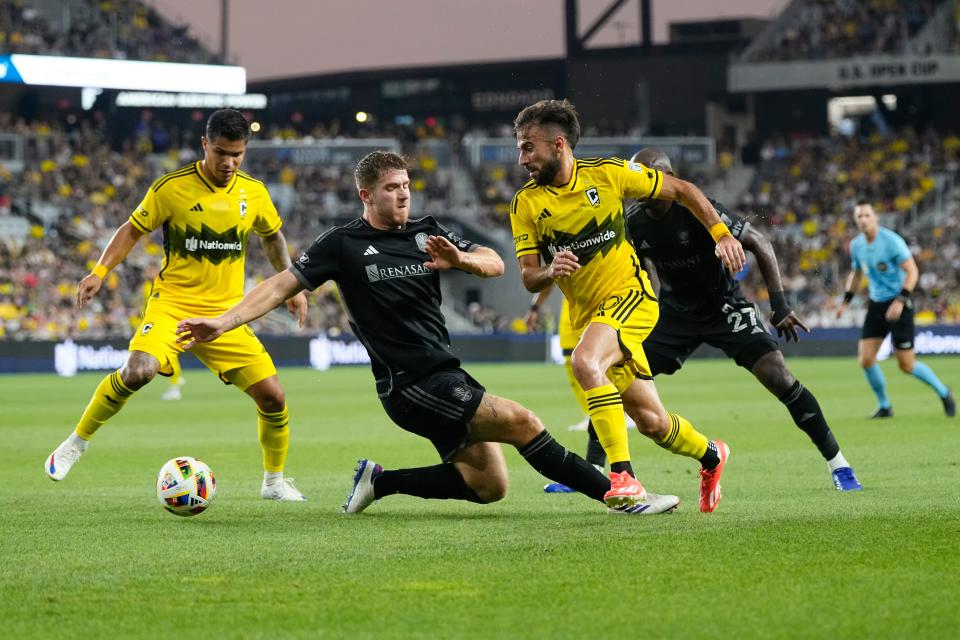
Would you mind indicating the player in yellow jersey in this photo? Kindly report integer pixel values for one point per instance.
(176, 378)
(207, 211)
(569, 228)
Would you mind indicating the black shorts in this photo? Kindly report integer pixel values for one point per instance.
(438, 407)
(875, 325)
(737, 329)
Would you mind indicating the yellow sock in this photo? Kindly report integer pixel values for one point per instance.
(606, 411)
(175, 376)
(274, 438)
(578, 393)
(683, 439)
(107, 400)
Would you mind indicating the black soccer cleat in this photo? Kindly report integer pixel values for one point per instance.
(884, 412)
(949, 404)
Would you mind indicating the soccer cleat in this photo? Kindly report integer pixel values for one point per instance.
(651, 504)
(173, 393)
(283, 491)
(557, 487)
(583, 425)
(845, 480)
(625, 490)
(61, 460)
(361, 496)
(949, 404)
(883, 412)
(710, 480)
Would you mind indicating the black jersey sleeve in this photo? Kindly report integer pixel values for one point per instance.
(737, 225)
(320, 262)
(460, 243)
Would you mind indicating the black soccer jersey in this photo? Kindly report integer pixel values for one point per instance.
(691, 277)
(392, 299)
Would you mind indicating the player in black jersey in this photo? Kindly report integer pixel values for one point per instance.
(700, 302)
(387, 267)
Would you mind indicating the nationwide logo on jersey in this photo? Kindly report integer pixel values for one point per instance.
(205, 243)
(593, 196)
(592, 239)
(376, 273)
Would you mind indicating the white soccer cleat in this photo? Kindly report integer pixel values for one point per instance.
(61, 460)
(361, 496)
(580, 426)
(651, 504)
(173, 393)
(283, 491)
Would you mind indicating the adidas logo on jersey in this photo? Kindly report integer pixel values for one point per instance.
(197, 207)
(644, 245)
(544, 214)
(370, 251)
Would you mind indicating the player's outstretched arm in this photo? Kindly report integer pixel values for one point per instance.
(728, 248)
(481, 261)
(124, 239)
(784, 320)
(266, 296)
(275, 247)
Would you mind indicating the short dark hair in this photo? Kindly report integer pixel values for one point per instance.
(376, 163)
(229, 124)
(556, 113)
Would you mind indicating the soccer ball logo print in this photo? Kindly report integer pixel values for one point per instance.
(421, 240)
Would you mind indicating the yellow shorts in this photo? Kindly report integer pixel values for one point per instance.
(237, 357)
(633, 313)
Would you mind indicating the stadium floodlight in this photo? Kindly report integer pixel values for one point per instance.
(59, 71)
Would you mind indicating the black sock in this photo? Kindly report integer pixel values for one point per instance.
(711, 458)
(552, 460)
(439, 482)
(806, 413)
(595, 453)
(620, 467)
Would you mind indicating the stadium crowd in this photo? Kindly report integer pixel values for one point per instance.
(119, 29)
(845, 28)
(75, 190)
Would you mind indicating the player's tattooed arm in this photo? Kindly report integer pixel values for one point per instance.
(275, 247)
(235, 321)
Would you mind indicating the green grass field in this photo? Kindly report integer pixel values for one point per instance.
(785, 555)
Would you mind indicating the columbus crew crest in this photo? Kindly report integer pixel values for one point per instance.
(593, 196)
(243, 209)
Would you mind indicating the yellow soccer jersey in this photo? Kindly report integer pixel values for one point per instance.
(585, 216)
(205, 233)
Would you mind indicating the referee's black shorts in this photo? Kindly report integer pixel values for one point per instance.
(875, 325)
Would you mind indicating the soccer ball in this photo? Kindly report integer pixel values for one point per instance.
(186, 486)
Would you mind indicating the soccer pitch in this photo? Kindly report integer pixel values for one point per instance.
(785, 555)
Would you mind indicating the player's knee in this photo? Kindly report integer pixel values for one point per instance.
(653, 424)
(585, 370)
(906, 367)
(137, 374)
(867, 361)
(524, 425)
(492, 489)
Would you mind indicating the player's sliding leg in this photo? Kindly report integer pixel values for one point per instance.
(772, 372)
(273, 429)
(478, 473)
(868, 348)
(909, 364)
(108, 398)
(676, 434)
